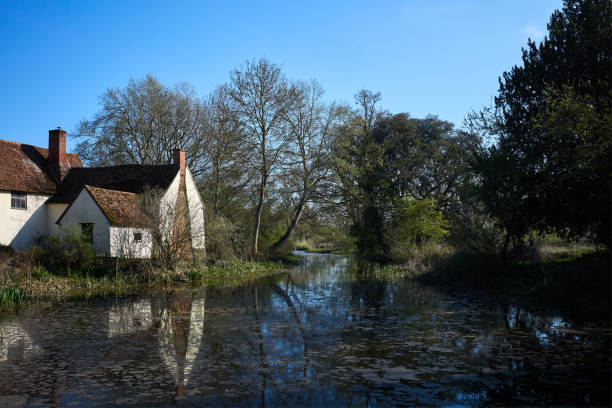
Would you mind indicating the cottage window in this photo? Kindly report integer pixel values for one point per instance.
(19, 201)
(137, 236)
(87, 232)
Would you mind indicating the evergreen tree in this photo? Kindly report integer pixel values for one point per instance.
(550, 168)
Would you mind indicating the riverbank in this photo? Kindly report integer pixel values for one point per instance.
(23, 283)
(576, 282)
(324, 250)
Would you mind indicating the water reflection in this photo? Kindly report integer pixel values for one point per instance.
(129, 317)
(180, 337)
(318, 336)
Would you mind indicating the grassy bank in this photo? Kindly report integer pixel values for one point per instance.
(574, 279)
(578, 284)
(323, 250)
(21, 282)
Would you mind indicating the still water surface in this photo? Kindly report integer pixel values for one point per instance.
(317, 336)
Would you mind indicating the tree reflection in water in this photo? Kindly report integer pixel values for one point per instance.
(319, 336)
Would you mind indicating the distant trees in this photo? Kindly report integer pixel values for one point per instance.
(364, 185)
(306, 167)
(548, 169)
(400, 178)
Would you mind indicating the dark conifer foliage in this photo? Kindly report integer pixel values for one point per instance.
(550, 168)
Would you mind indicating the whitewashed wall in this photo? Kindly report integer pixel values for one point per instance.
(20, 228)
(196, 212)
(167, 205)
(122, 242)
(54, 211)
(85, 210)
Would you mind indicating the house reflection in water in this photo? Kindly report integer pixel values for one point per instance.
(15, 343)
(179, 320)
(181, 328)
(129, 318)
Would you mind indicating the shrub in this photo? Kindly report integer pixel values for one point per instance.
(225, 238)
(417, 223)
(65, 254)
(40, 273)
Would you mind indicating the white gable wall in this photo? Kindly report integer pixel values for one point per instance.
(54, 211)
(167, 205)
(196, 212)
(122, 242)
(19, 228)
(85, 210)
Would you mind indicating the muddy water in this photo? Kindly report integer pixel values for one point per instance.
(318, 336)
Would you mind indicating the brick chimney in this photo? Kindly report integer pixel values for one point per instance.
(58, 164)
(179, 160)
(181, 215)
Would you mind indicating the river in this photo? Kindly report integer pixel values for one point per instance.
(316, 336)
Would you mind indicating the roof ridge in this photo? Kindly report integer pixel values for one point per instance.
(126, 165)
(19, 143)
(30, 145)
(93, 188)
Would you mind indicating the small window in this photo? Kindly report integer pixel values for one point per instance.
(19, 201)
(87, 233)
(137, 236)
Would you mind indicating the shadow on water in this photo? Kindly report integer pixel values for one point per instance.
(319, 336)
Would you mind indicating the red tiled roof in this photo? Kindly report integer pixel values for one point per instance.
(131, 178)
(122, 209)
(24, 168)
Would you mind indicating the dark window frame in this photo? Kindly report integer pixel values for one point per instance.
(87, 229)
(138, 237)
(19, 197)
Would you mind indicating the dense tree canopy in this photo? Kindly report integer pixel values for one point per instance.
(549, 169)
(391, 167)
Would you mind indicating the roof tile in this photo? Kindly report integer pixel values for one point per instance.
(121, 208)
(24, 168)
(132, 178)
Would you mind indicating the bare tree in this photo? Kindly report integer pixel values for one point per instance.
(226, 178)
(260, 99)
(169, 221)
(307, 162)
(142, 123)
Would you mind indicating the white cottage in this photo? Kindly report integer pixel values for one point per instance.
(48, 192)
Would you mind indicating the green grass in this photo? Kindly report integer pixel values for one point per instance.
(233, 273)
(12, 297)
(41, 284)
(322, 250)
(387, 273)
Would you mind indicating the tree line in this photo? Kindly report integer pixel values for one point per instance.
(273, 158)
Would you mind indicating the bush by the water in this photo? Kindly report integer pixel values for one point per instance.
(64, 254)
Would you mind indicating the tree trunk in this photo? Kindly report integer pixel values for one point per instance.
(296, 217)
(260, 203)
(216, 193)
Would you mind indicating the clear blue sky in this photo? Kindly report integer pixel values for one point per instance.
(441, 57)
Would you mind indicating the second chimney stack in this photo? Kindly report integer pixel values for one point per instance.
(58, 165)
(179, 160)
